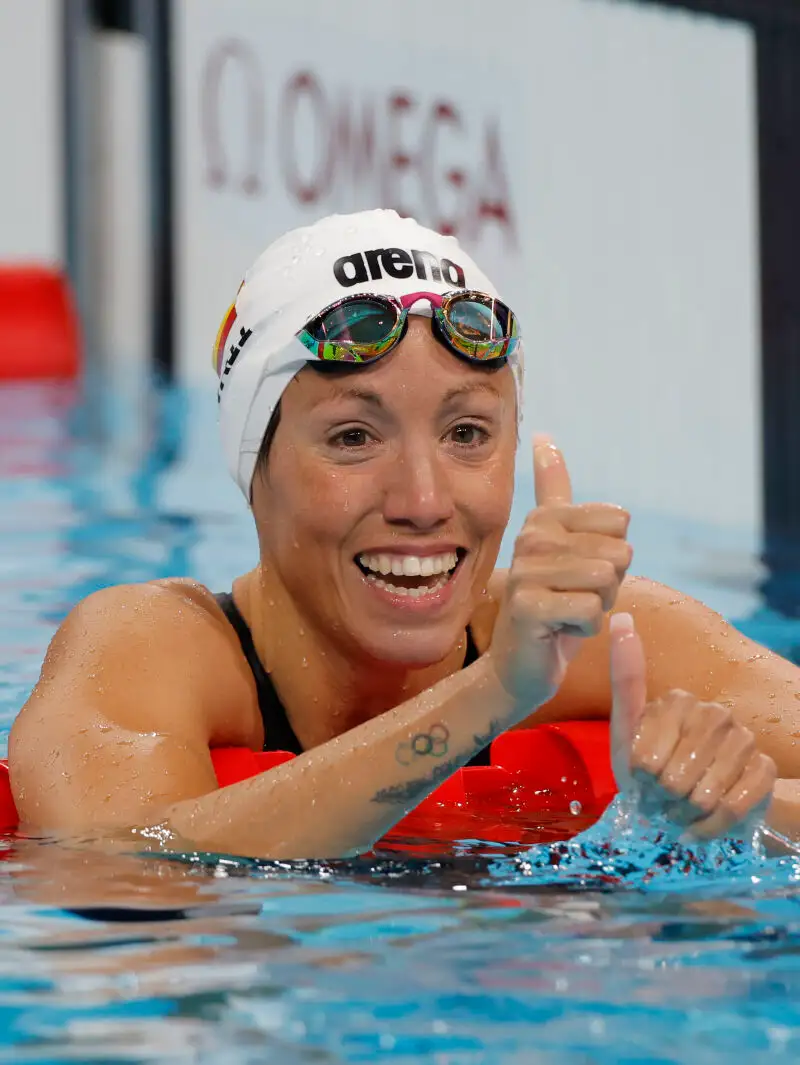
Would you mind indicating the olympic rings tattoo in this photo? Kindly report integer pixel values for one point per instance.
(432, 743)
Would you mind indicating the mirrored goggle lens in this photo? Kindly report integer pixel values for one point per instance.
(356, 331)
(480, 327)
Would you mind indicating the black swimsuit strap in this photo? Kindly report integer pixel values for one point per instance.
(472, 654)
(278, 732)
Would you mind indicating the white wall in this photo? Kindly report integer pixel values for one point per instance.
(119, 177)
(619, 140)
(30, 124)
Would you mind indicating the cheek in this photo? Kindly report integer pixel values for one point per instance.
(312, 503)
(494, 495)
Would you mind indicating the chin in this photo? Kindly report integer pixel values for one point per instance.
(409, 648)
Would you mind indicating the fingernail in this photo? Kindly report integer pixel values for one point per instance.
(622, 623)
(545, 450)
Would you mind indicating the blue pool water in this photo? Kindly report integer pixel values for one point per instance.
(592, 952)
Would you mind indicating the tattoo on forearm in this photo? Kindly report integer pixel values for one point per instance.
(411, 789)
(484, 739)
(432, 743)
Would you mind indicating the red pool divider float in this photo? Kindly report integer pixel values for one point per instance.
(39, 331)
(534, 774)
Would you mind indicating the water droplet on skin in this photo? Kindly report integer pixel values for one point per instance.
(319, 251)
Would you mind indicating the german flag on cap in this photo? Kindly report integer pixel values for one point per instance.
(218, 354)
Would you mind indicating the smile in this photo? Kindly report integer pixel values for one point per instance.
(413, 576)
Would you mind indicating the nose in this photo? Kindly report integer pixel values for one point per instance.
(419, 494)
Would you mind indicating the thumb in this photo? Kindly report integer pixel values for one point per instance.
(550, 475)
(629, 692)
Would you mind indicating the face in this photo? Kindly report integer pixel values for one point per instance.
(386, 495)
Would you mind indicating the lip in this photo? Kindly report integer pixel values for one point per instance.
(416, 550)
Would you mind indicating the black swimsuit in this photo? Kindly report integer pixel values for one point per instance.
(278, 732)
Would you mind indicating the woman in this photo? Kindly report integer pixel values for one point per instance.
(375, 441)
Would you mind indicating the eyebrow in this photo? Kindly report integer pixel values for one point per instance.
(375, 400)
(473, 386)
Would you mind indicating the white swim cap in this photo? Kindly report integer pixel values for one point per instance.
(257, 352)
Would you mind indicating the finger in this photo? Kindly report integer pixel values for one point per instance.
(565, 574)
(629, 693)
(547, 537)
(543, 612)
(550, 475)
(735, 752)
(605, 519)
(702, 747)
(618, 552)
(751, 793)
(659, 732)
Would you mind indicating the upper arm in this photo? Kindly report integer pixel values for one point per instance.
(128, 702)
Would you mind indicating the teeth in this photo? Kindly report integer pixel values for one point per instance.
(409, 565)
(413, 593)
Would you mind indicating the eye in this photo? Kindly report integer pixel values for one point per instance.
(468, 435)
(351, 438)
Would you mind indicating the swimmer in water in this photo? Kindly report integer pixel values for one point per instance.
(369, 387)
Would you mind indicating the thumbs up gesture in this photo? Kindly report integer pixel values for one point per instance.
(677, 756)
(569, 561)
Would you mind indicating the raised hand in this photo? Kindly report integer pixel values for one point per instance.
(569, 561)
(688, 760)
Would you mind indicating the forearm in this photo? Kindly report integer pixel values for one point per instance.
(340, 797)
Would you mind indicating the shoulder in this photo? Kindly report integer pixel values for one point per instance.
(145, 640)
(175, 610)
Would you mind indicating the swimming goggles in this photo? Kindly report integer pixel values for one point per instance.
(364, 328)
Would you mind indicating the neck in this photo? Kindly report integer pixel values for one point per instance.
(325, 687)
